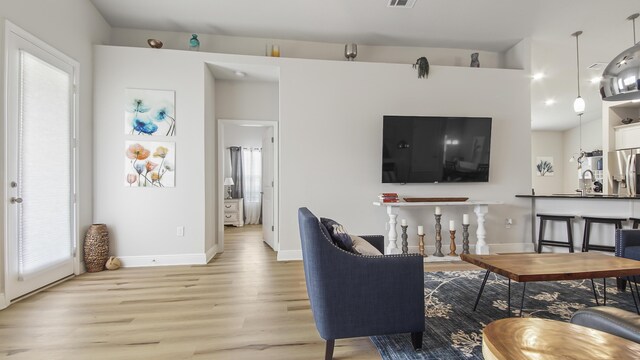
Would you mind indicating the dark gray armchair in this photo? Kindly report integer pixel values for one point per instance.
(354, 295)
(628, 246)
(611, 320)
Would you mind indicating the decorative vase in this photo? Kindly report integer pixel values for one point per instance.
(194, 43)
(350, 51)
(474, 60)
(96, 247)
(154, 43)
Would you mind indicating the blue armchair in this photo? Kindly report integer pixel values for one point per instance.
(627, 246)
(354, 295)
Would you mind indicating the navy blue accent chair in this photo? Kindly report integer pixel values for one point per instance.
(627, 246)
(353, 295)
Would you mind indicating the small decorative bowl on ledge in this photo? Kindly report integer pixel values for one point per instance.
(627, 121)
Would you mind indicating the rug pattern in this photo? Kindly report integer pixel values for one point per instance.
(454, 330)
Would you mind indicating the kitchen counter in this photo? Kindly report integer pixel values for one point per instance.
(578, 196)
(573, 204)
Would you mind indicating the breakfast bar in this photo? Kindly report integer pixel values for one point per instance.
(581, 207)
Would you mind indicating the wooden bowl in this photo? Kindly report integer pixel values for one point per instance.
(156, 44)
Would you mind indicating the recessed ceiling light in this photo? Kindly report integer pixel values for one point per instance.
(596, 79)
(537, 76)
(240, 73)
(549, 102)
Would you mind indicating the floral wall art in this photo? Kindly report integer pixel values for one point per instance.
(149, 164)
(150, 112)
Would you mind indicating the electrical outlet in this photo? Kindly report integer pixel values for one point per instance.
(508, 222)
(180, 231)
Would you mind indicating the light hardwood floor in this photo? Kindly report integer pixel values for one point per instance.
(243, 305)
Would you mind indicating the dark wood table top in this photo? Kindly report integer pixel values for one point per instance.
(551, 267)
(529, 338)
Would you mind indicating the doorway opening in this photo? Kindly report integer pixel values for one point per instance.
(248, 168)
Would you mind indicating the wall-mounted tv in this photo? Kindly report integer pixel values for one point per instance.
(435, 149)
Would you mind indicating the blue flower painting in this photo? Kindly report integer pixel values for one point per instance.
(150, 112)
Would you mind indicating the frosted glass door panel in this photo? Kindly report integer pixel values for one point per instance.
(44, 165)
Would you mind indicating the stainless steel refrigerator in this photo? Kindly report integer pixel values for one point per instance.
(624, 169)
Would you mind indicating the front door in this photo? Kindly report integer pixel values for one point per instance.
(40, 165)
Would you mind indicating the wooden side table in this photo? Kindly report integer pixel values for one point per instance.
(530, 338)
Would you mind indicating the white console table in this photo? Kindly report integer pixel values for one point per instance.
(480, 208)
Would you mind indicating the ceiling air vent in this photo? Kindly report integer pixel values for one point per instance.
(597, 66)
(407, 4)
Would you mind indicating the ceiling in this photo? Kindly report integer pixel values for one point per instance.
(490, 25)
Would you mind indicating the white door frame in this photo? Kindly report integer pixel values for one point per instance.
(276, 177)
(10, 95)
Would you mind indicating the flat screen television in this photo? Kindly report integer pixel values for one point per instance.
(435, 149)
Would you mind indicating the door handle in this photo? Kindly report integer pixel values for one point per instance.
(15, 200)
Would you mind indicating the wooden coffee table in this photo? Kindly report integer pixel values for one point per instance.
(552, 267)
(530, 338)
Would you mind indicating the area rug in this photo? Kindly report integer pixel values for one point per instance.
(454, 330)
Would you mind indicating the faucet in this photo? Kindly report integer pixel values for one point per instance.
(583, 191)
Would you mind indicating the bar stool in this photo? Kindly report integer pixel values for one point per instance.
(636, 222)
(588, 220)
(564, 218)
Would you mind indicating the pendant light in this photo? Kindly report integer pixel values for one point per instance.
(578, 104)
(621, 78)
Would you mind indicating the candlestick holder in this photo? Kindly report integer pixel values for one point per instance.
(452, 246)
(421, 245)
(405, 242)
(438, 252)
(465, 238)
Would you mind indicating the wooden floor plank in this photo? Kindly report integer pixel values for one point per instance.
(242, 305)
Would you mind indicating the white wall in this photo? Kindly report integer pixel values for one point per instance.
(330, 143)
(591, 140)
(143, 221)
(243, 136)
(247, 100)
(211, 165)
(304, 49)
(548, 144)
(72, 27)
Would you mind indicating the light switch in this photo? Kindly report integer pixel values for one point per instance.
(180, 231)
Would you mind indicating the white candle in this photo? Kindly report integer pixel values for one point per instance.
(452, 225)
(404, 222)
(465, 219)
(420, 230)
(438, 211)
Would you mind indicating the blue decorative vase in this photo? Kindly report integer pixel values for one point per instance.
(194, 43)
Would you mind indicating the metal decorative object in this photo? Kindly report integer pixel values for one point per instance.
(465, 238)
(423, 67)
(421, 245)
(474, 60)
(156, 44)
(621, 78)
(405, 237)
(452, 246)
(438, 252)
(96, 247)
(350, 51)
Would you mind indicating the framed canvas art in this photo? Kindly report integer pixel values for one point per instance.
(149, 164)
(149, 112)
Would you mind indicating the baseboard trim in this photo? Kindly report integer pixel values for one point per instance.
(296, 255)
(211, 253)
(289, 255)
(493, 248)
(163, 260)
